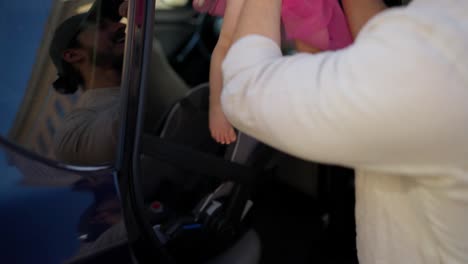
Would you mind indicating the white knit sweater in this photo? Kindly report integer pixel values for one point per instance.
(393, 106)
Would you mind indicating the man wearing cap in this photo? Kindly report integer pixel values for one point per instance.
(87, 50)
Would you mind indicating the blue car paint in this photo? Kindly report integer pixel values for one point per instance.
(22, 25)
(44, 224)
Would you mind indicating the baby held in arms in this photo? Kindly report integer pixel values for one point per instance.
(313, 25)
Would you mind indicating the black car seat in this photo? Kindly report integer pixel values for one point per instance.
(187, 124)
(187, 38)
(165, 88)
(210, 194)
(247, 250)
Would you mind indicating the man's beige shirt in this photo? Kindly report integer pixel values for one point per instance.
(88, 134)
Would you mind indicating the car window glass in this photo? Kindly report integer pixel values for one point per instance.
(22, 28)
(176, 113)
(170, 4)
(61, 90)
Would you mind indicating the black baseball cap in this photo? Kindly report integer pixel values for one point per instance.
(67, 31)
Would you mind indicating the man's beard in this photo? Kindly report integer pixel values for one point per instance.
(107, 59)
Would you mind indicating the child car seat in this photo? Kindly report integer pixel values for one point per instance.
(203, 199)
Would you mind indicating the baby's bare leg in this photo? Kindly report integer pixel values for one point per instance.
(220, 128)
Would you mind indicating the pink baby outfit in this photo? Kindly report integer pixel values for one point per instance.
(319, 23)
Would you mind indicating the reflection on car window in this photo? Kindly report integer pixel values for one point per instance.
(69, 108)
(170, 4)
(22, 32)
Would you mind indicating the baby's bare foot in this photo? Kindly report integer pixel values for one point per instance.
(220, 128)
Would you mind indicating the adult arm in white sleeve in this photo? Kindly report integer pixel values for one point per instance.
(380, 104)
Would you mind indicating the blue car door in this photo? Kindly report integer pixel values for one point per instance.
(54, 209)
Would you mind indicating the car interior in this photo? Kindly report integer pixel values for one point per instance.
(255, 204)
(303, 212)
(203, 202)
